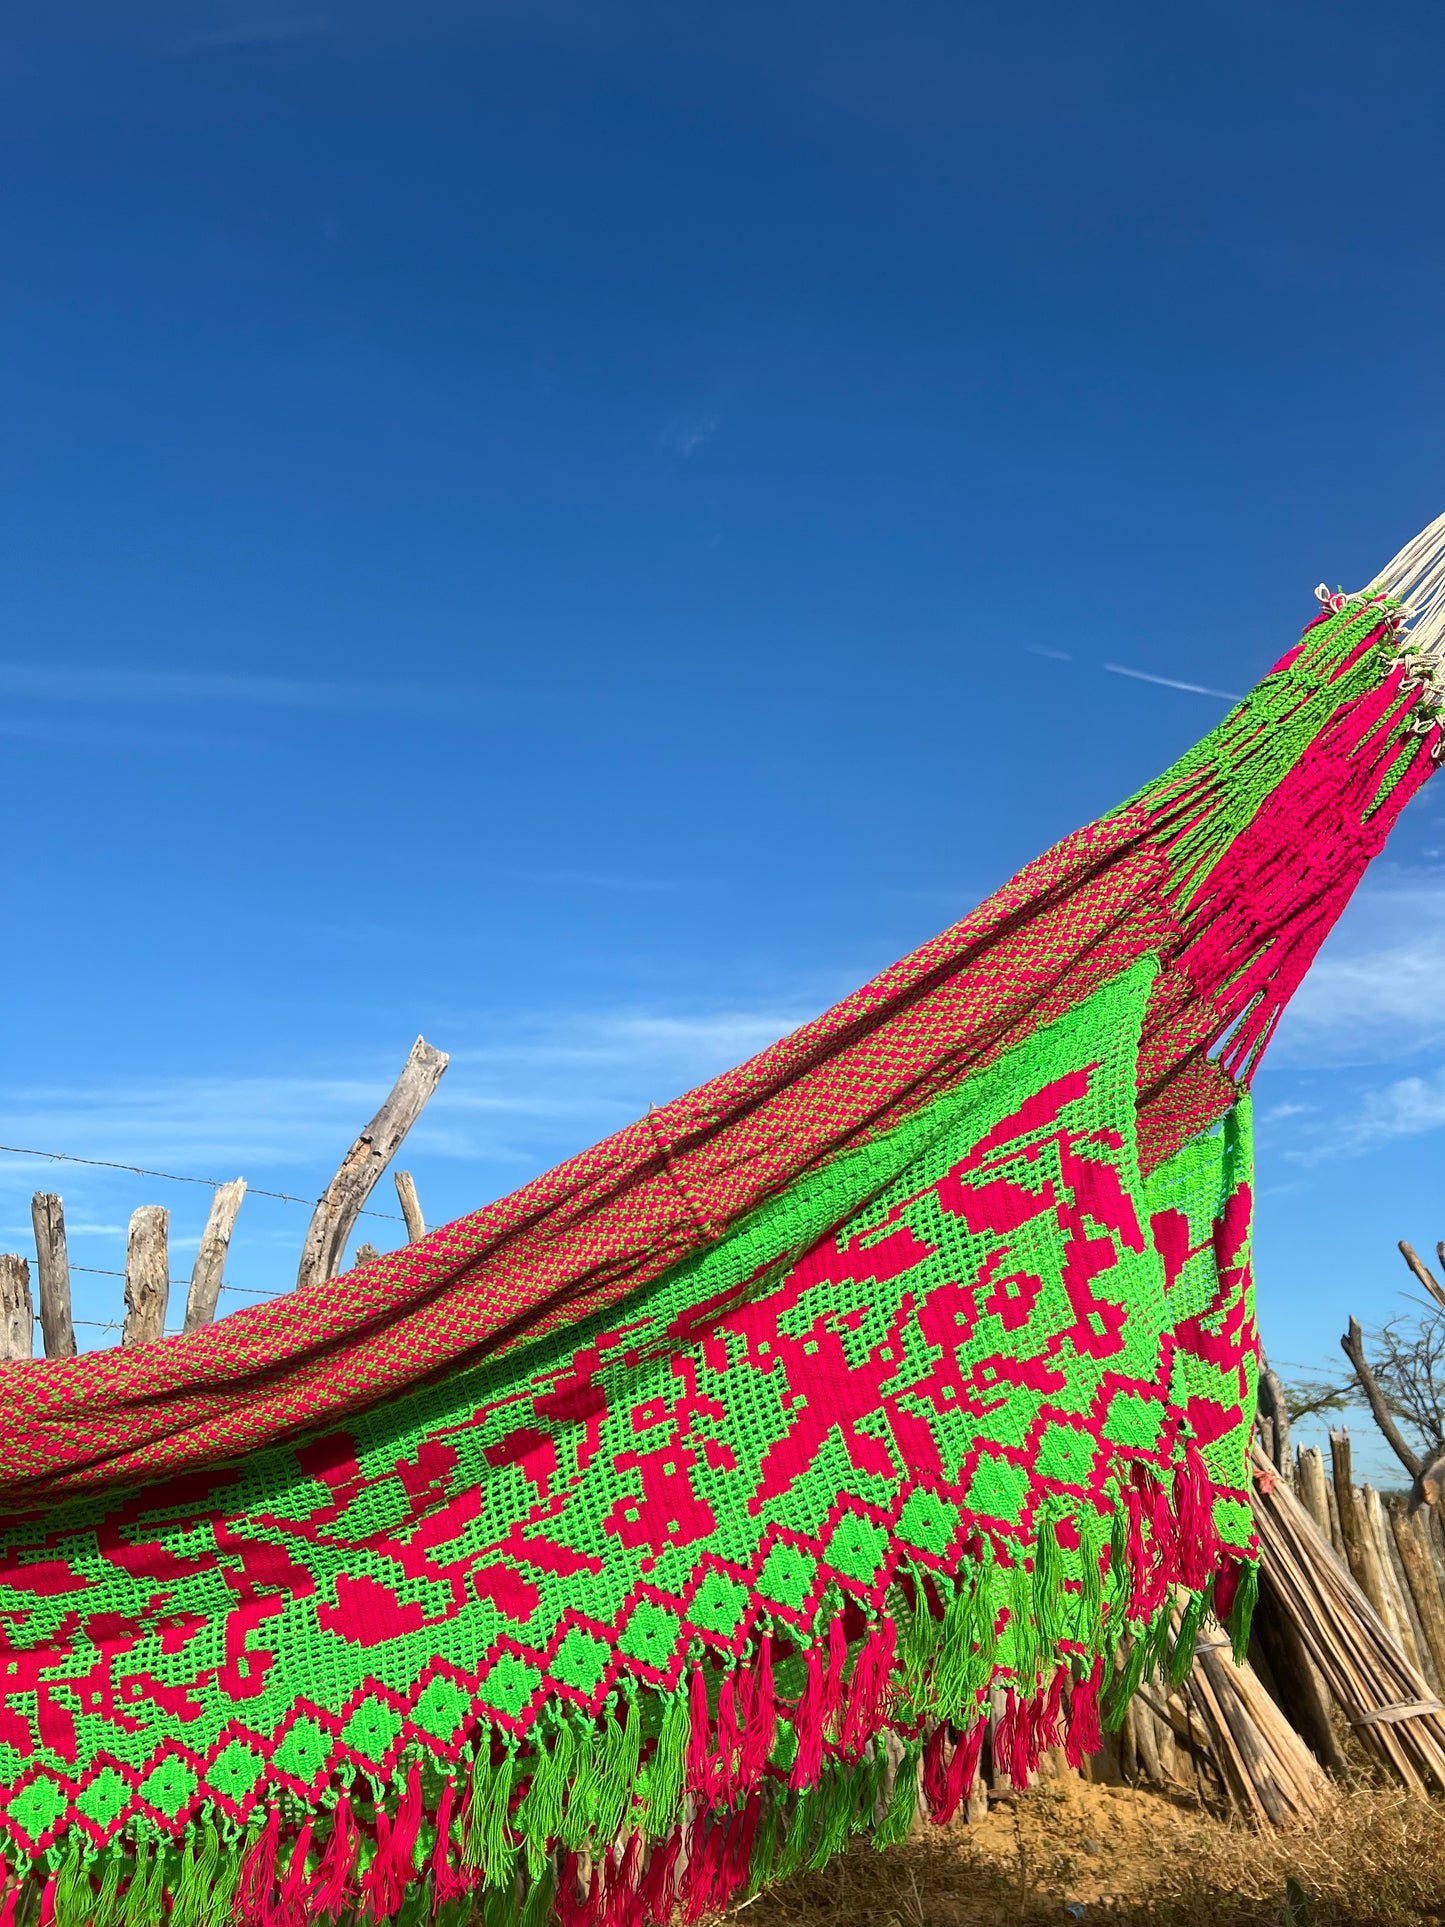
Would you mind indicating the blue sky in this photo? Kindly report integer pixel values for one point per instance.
(585, 530)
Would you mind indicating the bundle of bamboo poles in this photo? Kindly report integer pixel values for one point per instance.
(1345, 1594)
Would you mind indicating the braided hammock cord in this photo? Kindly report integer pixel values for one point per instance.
(727, 1489)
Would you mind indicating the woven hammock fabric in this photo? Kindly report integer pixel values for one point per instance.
(727, 1490)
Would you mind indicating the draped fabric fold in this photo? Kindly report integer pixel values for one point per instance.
(728, 1489)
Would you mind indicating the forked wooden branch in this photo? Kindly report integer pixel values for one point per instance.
(343, 1198)
(1423, 1273)
(1353, 1347)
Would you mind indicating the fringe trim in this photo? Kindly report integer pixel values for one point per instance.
(735, 1779)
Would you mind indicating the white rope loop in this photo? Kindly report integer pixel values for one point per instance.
(1415, 578)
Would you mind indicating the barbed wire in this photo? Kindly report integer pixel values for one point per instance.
(251, 1291)
(178, 1177)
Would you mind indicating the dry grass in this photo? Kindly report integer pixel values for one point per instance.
(1068, 1851)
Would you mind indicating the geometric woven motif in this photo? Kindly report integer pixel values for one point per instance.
(961, 1330)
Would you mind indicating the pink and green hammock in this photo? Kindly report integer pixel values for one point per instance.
(645, 1535)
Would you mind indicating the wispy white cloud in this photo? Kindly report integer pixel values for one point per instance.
(1409, 1107)
(1376, 993)
(548, 1083)
(686, 434)
(1054, 655)
(1172, 682)
(83, 683)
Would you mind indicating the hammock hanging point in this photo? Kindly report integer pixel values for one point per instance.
(727, 1489)
(1414, 580)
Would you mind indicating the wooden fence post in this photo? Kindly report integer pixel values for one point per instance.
(1353, 1530)
(410, 1207)
(364, 1163)
(211, 1255)
(52, 1264)
(17, 1315)
(1310, 1486)
(1420, 1576)
(147, 1276)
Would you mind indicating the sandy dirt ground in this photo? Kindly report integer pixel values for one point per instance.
(1070, 1851)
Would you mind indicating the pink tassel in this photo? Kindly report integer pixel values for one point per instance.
(870, 1682)
(296, 1888)
(833, 1678)
(808, 1724)
(332, 1891)
(1083, 1735)
(741, 1862)
(1020, 1733)
(565, 1902)
(935, 1774)
(1141, 1570)
(957, 1782)
(447, 1883)
(697, 1879)
(575, 1905)
(257, 1885)
(1226, 1585)
(1194, 1507)
(1051, 1732)
(11, 1892)
(701, 1773)
(761, 1727)
(47, 1904)
(623, 1896)
(725, 1745)
(383, 1888)
(657, 1894)
(1166, 1548)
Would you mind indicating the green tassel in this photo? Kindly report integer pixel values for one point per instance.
(1241, 1613)
(1120, 1580)
(416, 1907)
(539, 1817)
(661, 1789)
(1025, 1636)
(1181, 1657)
(185, 1901)
(537, 1906)
(870, 1788)
(486, 1842)
(765, 1849)
(917, 1643)
(897, 1822)
(74, 1901)
(835, 1815)
(107, 1901)
(144, 1904)
(581, 1794)
(1089, 1613)
(499, 1904)
(1123, 1686)
(797, 1835)
(1156, 1646)
(1049, 1609)
(617, 1770)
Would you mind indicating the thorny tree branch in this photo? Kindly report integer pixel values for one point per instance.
(1353, 1346)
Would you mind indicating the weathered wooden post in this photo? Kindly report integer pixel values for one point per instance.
(17, 1314)
(147, 1276)
(211, 1256)
(52, 1264)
